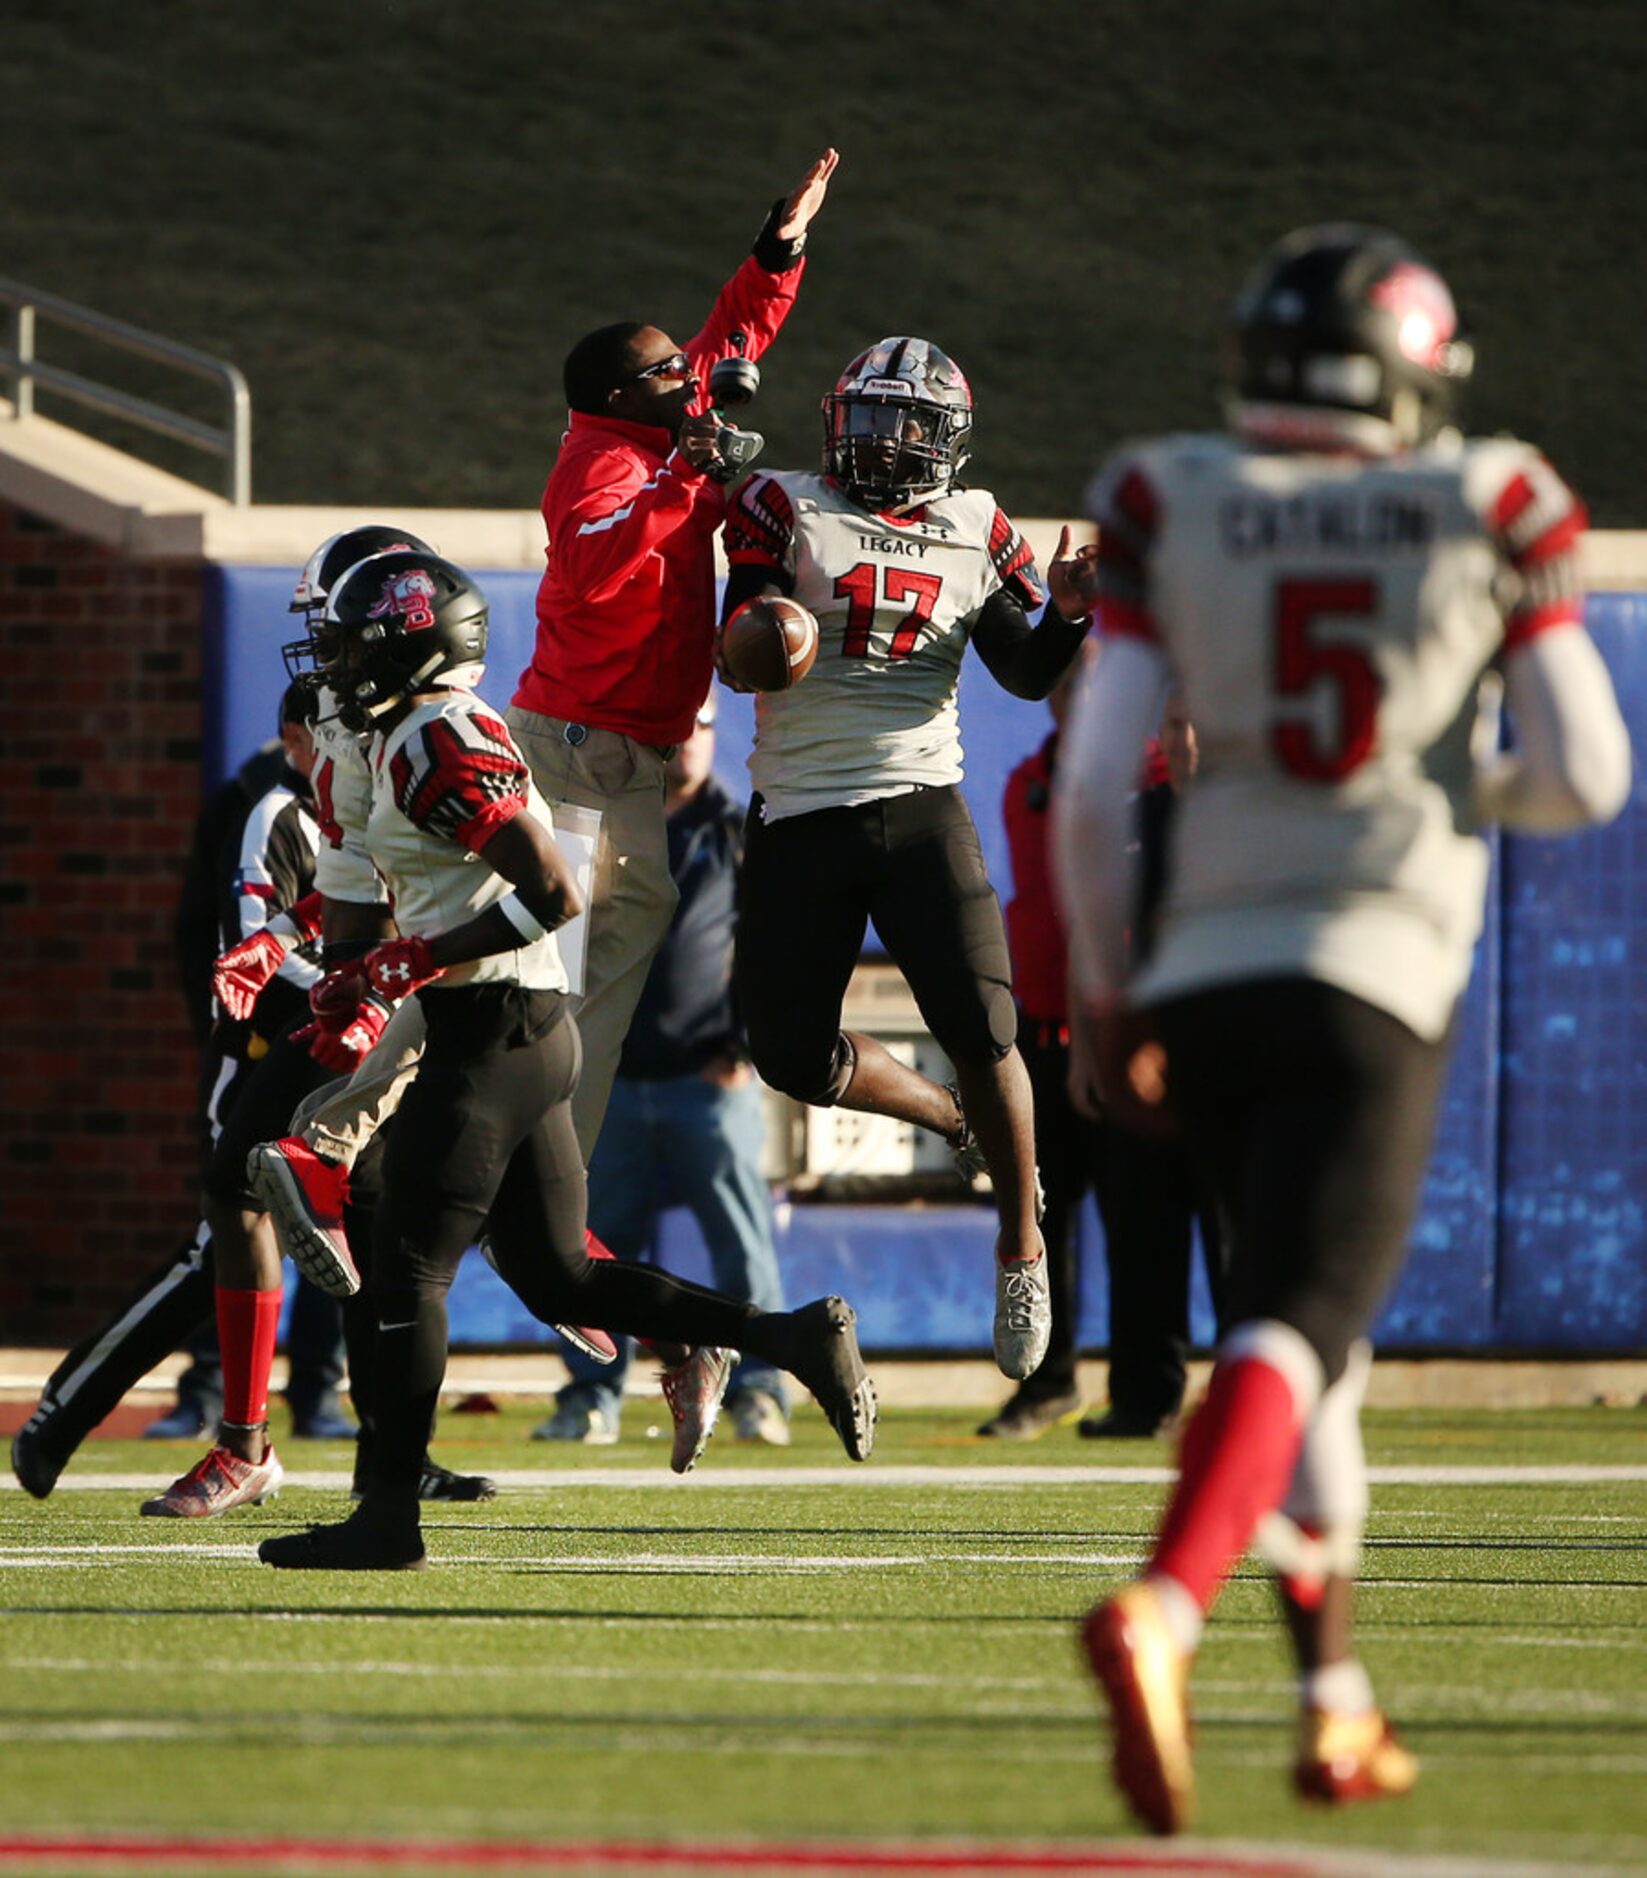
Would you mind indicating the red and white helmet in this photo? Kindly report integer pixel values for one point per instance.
(897, 423)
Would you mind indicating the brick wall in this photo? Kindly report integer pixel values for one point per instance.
(99, 788)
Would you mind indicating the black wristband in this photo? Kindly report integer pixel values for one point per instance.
(775, 255)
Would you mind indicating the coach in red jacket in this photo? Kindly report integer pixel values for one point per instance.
(626, 610)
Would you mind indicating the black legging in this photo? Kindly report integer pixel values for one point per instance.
(1316, 1112)
(485, 1134)
(809, 884)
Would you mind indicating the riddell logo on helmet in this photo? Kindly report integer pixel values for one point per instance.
(1423, 311)
(409, 598)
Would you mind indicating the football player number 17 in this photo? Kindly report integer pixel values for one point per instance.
(862, 588)
(1306, 656)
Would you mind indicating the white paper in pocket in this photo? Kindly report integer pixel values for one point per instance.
(577, 835)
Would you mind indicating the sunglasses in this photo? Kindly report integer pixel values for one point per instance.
(677, 365)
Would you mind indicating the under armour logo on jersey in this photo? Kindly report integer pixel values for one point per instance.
(408, 597)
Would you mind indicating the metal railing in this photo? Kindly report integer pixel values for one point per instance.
(232, 441)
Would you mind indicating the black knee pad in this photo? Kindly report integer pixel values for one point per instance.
(800, 1075)
(981, 1031)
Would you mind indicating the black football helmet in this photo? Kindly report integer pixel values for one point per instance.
(397, 623)
(1342, 324)
(327, 565)
(897, 423)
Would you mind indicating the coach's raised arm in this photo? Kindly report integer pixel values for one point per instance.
(626, 607)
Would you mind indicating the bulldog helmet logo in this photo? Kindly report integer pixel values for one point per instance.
(408, 597)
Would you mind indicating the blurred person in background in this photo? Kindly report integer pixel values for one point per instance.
(1154, 1192)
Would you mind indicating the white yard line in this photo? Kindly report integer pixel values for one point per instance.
(635, 1479)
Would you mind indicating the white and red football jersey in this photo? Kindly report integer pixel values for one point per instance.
(1329, 618)
(895, 598)
(443, 781)
(342, 789)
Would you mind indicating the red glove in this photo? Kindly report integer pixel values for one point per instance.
(397, 968)
(305, 916)
(341, 1042)
(335, 998)
(244, 970)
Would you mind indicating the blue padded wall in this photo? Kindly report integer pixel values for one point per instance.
(1573, 1241)
(1531, 1230)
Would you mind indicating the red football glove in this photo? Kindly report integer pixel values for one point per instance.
(335, 998)
(243, 971)
(397, 968)
(305, 916)
(340, 1043)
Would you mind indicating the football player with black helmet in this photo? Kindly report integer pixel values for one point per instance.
(857, 814)
(1328, 583)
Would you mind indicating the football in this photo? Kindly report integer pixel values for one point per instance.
(769, 644)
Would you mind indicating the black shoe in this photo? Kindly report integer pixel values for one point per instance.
(1025, 1417)
(32, 1461)
(827, 1360)
(1127, 1425)
(440, 1483)
(436, 1483)
(364, 1542)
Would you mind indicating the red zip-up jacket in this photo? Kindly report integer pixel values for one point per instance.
(626, 608)
(1034, 925)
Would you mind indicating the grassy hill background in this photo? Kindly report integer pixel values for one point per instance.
(395, 215)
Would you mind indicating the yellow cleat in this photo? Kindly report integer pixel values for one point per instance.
(1351, 1757)
(1145, 1676)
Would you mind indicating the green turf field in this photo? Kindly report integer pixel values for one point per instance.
(879, 1653)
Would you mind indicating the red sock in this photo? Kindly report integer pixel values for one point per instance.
(247, 1322)
(1234, 1466)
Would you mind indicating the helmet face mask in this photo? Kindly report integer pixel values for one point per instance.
(1344, 334)
(399, 623)
(897, 423)
(304, 658)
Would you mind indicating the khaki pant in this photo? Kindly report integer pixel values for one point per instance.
(634, 893)
(630, 907)
(341, 1117)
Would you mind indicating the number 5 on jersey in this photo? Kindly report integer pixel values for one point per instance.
(1306, 655)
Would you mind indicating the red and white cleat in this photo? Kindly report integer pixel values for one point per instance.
(694, 1391)
(1144, 1676)
(217, 1483)
(304, 1195)
(1351, 1757)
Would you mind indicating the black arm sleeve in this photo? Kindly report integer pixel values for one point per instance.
(1024, 659)
(775, 255)
(745, 580)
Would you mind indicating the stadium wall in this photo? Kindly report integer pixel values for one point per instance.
(142, 625)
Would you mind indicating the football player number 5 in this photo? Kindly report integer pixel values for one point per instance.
(1306, 655)
(860, 589)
